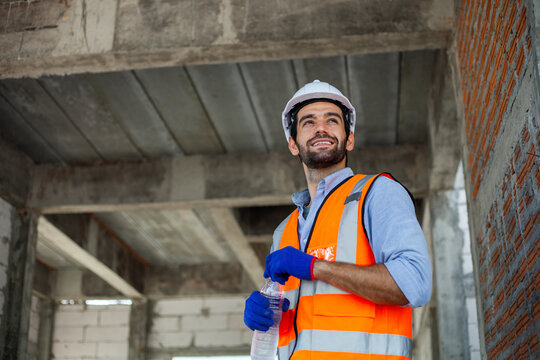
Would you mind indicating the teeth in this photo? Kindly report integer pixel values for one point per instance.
(323, 143)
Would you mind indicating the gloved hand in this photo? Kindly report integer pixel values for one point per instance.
(257, 314)
(289, 261)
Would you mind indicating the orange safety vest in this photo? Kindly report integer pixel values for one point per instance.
(325, 322)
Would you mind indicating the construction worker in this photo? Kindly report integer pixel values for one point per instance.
(352, 256)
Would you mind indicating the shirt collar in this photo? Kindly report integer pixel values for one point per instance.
(302, 198)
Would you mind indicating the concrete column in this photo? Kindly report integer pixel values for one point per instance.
(138, 329)
(68, 283)
(5, 236)
(18, 234)
(448, 294)
(46, 326)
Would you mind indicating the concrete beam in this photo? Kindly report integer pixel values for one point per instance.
(230, 180)
(50, 37)
(15, 173)
(228, 228)
(58, 240)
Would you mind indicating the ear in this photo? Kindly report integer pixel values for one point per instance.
(350, 142)
(293, 148)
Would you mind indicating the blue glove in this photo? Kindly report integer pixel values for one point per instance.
(257, 315)
(286, 262)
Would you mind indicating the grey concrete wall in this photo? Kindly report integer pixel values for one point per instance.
(5, 236)
(467, 267)
(447, 328)
(449, 295)
(33, 329)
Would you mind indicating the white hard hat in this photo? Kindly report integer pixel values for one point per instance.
(316, 90)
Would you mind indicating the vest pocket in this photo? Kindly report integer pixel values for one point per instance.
(343, 313)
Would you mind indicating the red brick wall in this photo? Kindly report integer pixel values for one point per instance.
(497, 65)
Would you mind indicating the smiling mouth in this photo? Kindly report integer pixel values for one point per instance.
(321, 143)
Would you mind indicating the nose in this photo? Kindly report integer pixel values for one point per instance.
(321, 127)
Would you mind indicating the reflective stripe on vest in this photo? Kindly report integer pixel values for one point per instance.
(354, 342)
(327, 314)
(346, 246)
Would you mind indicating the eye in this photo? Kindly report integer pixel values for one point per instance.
(307, 122)
(333, 120)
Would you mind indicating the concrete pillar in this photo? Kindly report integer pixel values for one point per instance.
(138, 329)
(46, 326)
(68, 283)
(18, 234)
(448, 294)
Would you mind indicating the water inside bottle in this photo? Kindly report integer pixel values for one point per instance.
(264, 344)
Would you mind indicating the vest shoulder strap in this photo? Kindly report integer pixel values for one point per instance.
(276, 238)
(368, 188)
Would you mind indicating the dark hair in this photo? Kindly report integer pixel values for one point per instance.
(294, 115)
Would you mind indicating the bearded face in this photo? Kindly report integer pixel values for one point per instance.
(321, 141)
(314, 158)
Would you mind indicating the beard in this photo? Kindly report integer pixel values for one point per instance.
(322, 159)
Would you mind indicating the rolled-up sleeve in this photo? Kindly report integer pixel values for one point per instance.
(397, 239)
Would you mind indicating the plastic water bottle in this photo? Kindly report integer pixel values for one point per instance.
(264, 343)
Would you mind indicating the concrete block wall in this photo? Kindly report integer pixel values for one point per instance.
(501, 144)
(91, 332)
(182, 325)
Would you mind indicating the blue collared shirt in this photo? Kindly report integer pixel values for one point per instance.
(393, 232)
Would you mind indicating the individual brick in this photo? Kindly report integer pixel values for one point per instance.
(67, 334)
(71, 350)
(106, 334)
(114, 317)
(225, 304)
(179, 339)
(76, 319)
(187, 306)
(115, 350)
(197, 322)
(165, 324)
(236, 322)
(219, 338)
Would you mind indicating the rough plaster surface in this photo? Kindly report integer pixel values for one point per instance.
(105, 35)
(217, 180)
(33, 330)
(447, 247)
(5, 236)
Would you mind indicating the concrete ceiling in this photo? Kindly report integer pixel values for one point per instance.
(182, 169)
(211, 109)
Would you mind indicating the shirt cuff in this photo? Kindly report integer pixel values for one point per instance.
(416, 289)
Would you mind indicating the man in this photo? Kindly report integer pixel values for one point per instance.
(353, 257)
